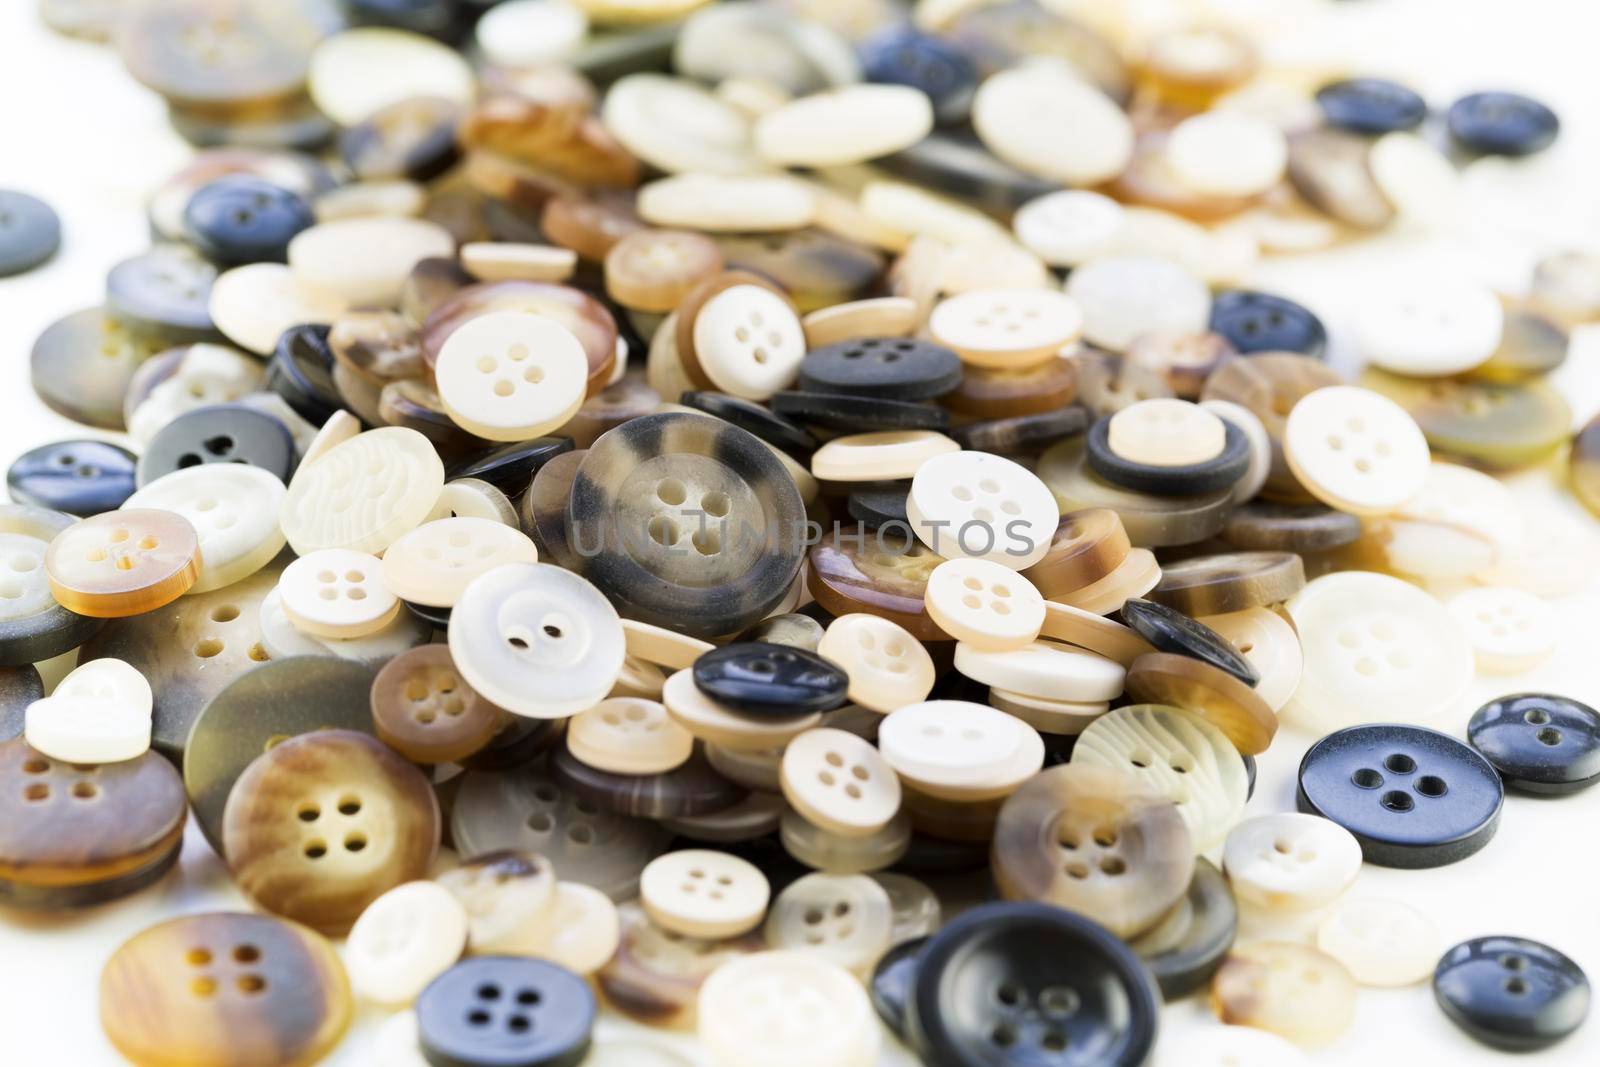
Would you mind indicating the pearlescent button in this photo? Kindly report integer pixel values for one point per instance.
(675, 125)
(1069, 227)
(725, 203)
(365, 261)
(509, 898)
(1225, 153)
(718, 724)
(980, 506)
(960, 750)
(334, 592)
(1430, 327)
(363, 494)
(1269, 642)
(702, 893)
(1382, 943)
(253, 305)
(1510, 630)
(434, 563)
(1355, 450)
(511, 376)
(1232, 1046)
(1287, 989)
(234, 509)
(846, 919)
(1006, 328)
(1044, 669)
(1123, 296)
(1290, 862)
(748, 341)
(404, 940)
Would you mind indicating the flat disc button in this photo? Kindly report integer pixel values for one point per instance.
(1511, 993)
(78, 477)
(1506, 124)
(221, 434)
(1414, 798)
(1264, 322)
(30, 232)
(1539, 743)
(506, 1011)
(1371, 105)
(123, 562)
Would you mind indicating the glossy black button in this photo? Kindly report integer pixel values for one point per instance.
(1371, 105)
(1412, 797)
(1503, 124)
(1022, 433)
(1187, 946)
(956, 163)
(1539, 743)
(438, 618)
(896, 368)
(1174, 632)
(505, 1011)
(1511, 993)
(1025, 984)
(241, 219)
(223, 433)
(880, 505)
(301, 371)
(1250, 771)
(859, 414)
(510, 468)
(892, 981)
(82, 478)
(772, 428)
(166, 290)
(30, 232)
(1262, 322)
(768, 679)
(904, 56)
(1191, 479)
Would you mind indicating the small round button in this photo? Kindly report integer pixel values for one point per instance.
(1505, 124)
(702, 893)
(1511, 993)
(505, 1011)
(1290, 862)
(1540, 743)
(1265, 322)
(1383, 943)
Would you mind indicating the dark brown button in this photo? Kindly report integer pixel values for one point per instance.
(848, 573)
(423, 710)
(989, 393)
(816, 269)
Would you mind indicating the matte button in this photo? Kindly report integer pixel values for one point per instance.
(505, 1011)
(30, 232)
(1265, 322)
(424, 710)
(1540, 743)
(78, 477)
(1383, 943)
(1511, 993)
(221, 434)
(1211, 475)
(859, 414)
(1371, 105)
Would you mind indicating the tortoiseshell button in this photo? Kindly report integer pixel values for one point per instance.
(1285, 988)
(123, 562)
(225, 989)
(653, 270)
(424, 710)
(318, 827)
(1495, 426)
(413, 138)
(1329, 167)
(768, 424)
(1210, 692)
(510, 467)
(655, 977)
(849, 575)
(1148, 520)
(1532, 344)
(692, 788)
(1215, 585)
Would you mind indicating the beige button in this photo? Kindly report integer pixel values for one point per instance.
(364, 493)
(1006, 328)
(1255, 433)
(980, 506)
(340, 427)
(1290, 862)
(748, 341)
(404, 940)
(1136, 575)
(984, 605)
(845, 918)
(1383, 943)
(675, 125)
(887, 667)
(1059, 717)
(1045, 119)
(1270, 643)
(652, 271)
(656, 644)
(959, 750)
(1227, 153)
(725, 203)
(1418, 179)
(701, 893)
(122, 563)
(434, 563)
(585, 929)
(366, 261)
(1355, 450)
(511, 375)
(1098, 634)
(1291, 990)
(842, 126)
(1429, 327)
(1166, 433)
(839, 782)
(509, 898)
(718, 725)
(628, 735)
(355, 73)
(639, 678)
(879, 316)
(1045, 669)
(252, 305)
(499, 262)
(233, 507)
(787, 1009)
(888, 455)
(334, 592)
(1510, 630)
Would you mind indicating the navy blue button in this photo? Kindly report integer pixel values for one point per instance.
(1512, 993)
(774, 429)
(30, 232)
(1503, 124)
(1539, 743)
(1025, 984)
(241, 219)
(1371, 105)
(82, 478)
(166, 290)
(767, 679)
(222, 433)
(510, 468)
(892, 981)
(895, 368)
(904, 56)
(1412, 797)
(1210, 476)
(1261, 322)
(301, 371)
(505, 1011)
(859, 414)
(1174, 632)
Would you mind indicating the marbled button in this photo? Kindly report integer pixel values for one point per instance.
(412, 138)
(629, 736)
(1301, 528)
(1269, 385)
(692, 788)
(503, 1011)
(1512, 993)
(511, 467)
(1540, 743)
(509, 898)
(1491, 425)
(1290, 862)
(78, 477)
(1287, 989)
(1329, 168)
(1237, 581)
(423, 709)
(993, 393)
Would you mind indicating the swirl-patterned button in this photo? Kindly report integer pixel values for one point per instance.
(363, 494)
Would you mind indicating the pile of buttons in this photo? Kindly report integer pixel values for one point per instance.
(662, 505)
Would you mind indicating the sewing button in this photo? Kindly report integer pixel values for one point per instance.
(511, 376)
(1355, 450)
(1171, 631)
(334, 592)
(1443, 327)
(1186, 947)
(1287, 989)
(837, 854)
(1567, 285)
(182, 379)
(991, 394)
(82, 363)
(745, 339)
(412, 138)
(959, 750)
(586, 930)
(1021, 434)
(675, 125)
(1512, 993)
(239, 219)
(365, 261)
(1269, 385)
(1290, 862)
(1533, 343)
(750, 1012)
(1006, 328)
(723, 203)
(1096, 633)
(30, 232)
(1044, 669)
(1268, 641)
(1123, 296)
(1226, 154)
(1371, 105)
(78, 477)
(400, 478)
(656, 644)
(1510, 630)
(875, 457)
(1046, 121)
(887, 667)
(887, 579)
(844, 918)
(509, 900)
(434, 563)
(881, 366)
(655, 975)
(1069, 227)
(878, 318)
(847, 125)
(1135, 576)
(1165, 433)
(725, 726)
(1221, 471)
(1382, 943)
(891, 983)
(1302, 528)
(770, 680)
(1505, 124)
(356, 73)
(20, 686)
(1493, 426)
(254, 304)
(628, 735)
(839, 782)
(954, 493)
(1210, 692)
(503, 1011)
(1254, 321)
(752, 417)
(99, 713)
(1539, 743)
(226, 433)
(984, 605)
(165, 290)
(1259, 465)
(403, 940)
(122, 562)
(1087, 546)
(1329, 168)
(1230, 582)
(423, 710)
(704, 894)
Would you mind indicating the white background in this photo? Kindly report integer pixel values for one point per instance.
(76, 131)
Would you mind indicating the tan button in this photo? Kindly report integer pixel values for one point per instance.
(1007, 327)
(675, 125)
(984, 605)
(1290, 990)
(1213, 694)
(882, 316)
(1136, 575)
(510, 900)
(123, 562)
(653, 270)
(1087, 546)
(842, 126)
(844, 918)
(960, 750)
(657, 644)
(1271, 645)
(887, 667)
(423, 710)
(701, 893)
(334, 592)
(1166, 433)
(365, 261)
(1044, 668)
(1059, 717)
(628, 735)
(585, 929)
(884, 456)
(1098, 634)
(728, 203)
(1355, 450)
(434, 563)
(839, 782)
(717, 725)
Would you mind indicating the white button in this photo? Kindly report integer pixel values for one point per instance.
(701, 893)
(355, 73)
(887, 455)
(1377, 649)
(887, 667)
(205, 374)
(252, 305)
(397, 1043)
(1555, 547)
(531, 33)
(713, 723)
(657, 644)
(1255, 475)
(434, 563)
(1044, 669)
(584, 931)
(1069, 227)
(726, 203)
(111, 680)
(1230, 1046)
(1355, 450)
(749, 341)
(676, 126)
(979, 506)
(366, 261)
(959, 750)
(1429, 326)
(984, 605)
(1290, 862)
(844, 918)
(404, 940)
(1270, 643)
(1166, 433)
(536, 640)
(364, 493)
(842, 126)
(473, 498)
(914, 906)
(1383, 943)
(786, 1009)
(233, 507)
(1510, 630)
(99, 713)
(511, 375)
(510, 901)
(1125, 296)
(1006, 327)
(1417, 178)
(334, 592)
(282, 639)
(1472, 502)
(1098, 634)
(839, 782)
(1178, 755)
(1057, 717)
(340, 427)
(1042, 117)
(629, 735)
(1227, 153)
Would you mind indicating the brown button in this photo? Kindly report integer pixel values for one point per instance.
(1093, 840)
(1269, 384)
(424, 711)
(1087, 546)
(324, 824)
(656, 975)
(1232, 581)
(551, 135)
(123, 562)
(431, 282)
(590, 225)
(579, 312)
(71, 836)
(992, 393)
(1213, 694)
(653, 270)
(1184, 359)
(227, 989)
(1330, 169)
(380, 346)
(847, 574)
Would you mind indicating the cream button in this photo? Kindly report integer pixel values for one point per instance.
(1044, 669)
(1096, 633)
(1418, 179)
(1270, 644)
(839, 782)
(960, 750)
(676, 126)
(1459, 499)
(334, 592)
(340, 427)
(1290, 862)
(511, 375)
(434, 564)
(1069, 227)
(364, 493)
(102, 718)
(1430, 326)
(1261, 448)
(252, 305)
(355, 73)
(1045, 119)
(749, 342)
(404, 940)
(509, 898)
(1383, 943)
(1058, 717)
(1510, 631)
(984, 605)
(844, 918)
(1355, 450)
(473, 498)
(629, 735)
(786, 1009)
(848, 125)
(887, 667)
(701, 893)
(980, 506)
(1227, 153)
(719, 725)
(1005, 328)
(657, 644)
(1123, 296)
(726, 203)
(531, 33)
(496, 261)
(233, 507)
(1166, 433)
(585, 929)
(879, 316)
(366, 261)
(887, 455)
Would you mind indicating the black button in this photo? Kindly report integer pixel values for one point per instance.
(904, 56)
(510, 468)
(1186, 947)
(767, 679)
(880, 505)
(1174, 632)
(1504, 124)
(82, 478)
(30, 232)
(1025, 984)
(241, 219)
(1371, 105)
(892, 982)
(774, 429)
(224, 433)
(1261, 322)
(859, 414)
(1412, 797)
(505, 1011)
(301, 371)
(1511, 993)
(1190, 479)
(1022, 433)
(895, 368)
(1539, 743)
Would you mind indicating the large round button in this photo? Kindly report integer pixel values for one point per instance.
(509, 898)
(506, 1011)
(1355, 450)
(1539, 743)
(1512, 993)
(702, 893)
(433, 564)
(655, 976)
(511, 376)
(1412, 797)
(839, 782)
